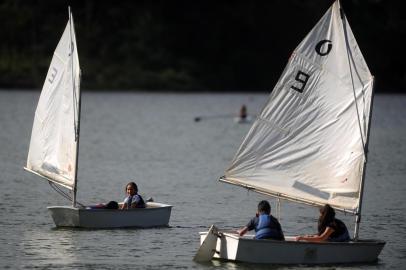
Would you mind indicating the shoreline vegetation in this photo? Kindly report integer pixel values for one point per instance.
(189, 46)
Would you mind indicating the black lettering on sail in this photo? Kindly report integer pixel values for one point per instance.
(52, 75)
(320, 45)
(301, 78)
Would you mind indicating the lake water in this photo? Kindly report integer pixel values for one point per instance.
(154, 140)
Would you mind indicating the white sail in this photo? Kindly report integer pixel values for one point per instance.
(308, 142)
(54, 138)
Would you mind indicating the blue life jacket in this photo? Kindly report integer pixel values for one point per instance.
(140, 204)
(266, 228)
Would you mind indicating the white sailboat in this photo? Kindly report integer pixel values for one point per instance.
(54, 146)
(309, 145)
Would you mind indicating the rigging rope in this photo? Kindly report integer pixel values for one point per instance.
(352, 82)
(62, 193)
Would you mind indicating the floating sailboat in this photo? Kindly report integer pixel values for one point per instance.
(309, 145)
(54, 146)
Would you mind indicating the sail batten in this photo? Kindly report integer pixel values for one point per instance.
(53, 147)
(308, 141)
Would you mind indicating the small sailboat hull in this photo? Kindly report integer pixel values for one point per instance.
(246, 249)
(154, 215)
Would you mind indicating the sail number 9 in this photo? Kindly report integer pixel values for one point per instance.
(302, 79)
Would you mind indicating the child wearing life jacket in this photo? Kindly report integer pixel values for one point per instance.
(133, 199)
(266, 226)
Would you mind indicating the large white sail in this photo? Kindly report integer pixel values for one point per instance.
(54, 137)
(307, 143)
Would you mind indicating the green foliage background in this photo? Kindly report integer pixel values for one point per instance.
(188, 45)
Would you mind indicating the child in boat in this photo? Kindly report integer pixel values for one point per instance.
(133, 199)
(329, 228)
(266, 226)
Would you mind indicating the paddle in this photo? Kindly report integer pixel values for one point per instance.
(242, 115)
(208, 246)
(199, 118)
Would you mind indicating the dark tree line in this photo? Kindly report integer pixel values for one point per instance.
(189, 45)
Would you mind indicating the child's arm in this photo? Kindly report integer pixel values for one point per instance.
(242, 231)
(317, 238)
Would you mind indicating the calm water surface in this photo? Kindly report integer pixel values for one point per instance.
(154, 140)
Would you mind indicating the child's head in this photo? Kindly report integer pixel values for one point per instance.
(327, 213)
(264, 207)
(131, 188)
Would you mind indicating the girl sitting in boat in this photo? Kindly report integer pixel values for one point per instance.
(329, 228)
(266, 226)
(133, 199)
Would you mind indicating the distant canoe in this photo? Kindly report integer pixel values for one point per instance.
(241, 120)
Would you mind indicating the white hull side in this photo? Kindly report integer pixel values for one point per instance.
(246, 249)
(154, 215)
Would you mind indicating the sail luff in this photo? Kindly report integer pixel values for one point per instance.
(75, 179)
(76, 111)
(362, 184)
(367, 131)
(343, 21)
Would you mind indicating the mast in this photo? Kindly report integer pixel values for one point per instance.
(358, 215)
(77, 127)
(364, 143)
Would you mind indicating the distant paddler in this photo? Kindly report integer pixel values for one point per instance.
(243, 115)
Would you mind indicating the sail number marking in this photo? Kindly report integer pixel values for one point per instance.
(301, 78)
(320, 44)
(52, 75)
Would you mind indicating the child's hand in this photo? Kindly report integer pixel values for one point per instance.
(298, 238)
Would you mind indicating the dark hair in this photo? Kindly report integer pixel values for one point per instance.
(111, 205)
(264, 207)
(134, 185)
(327, 215)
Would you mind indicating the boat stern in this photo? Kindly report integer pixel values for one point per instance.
(226, 246)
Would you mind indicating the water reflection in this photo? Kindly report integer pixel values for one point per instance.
(49, 247)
